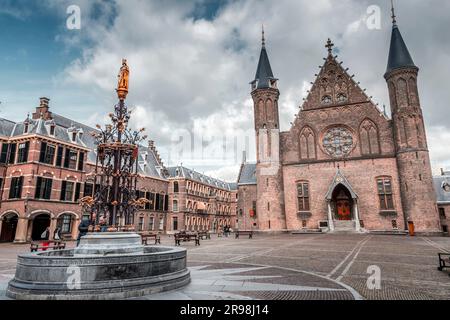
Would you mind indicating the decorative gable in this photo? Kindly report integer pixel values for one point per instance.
(333, 86)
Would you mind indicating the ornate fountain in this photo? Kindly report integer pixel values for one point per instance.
(115, 175)
(106, 265)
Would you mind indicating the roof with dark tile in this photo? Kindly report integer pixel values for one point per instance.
(183, 172)
(440, 182)
(399, 56)
(148, 163)
(6, 127)
(247, 175)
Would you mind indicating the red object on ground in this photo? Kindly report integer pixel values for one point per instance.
(45, 244)
(411, 228)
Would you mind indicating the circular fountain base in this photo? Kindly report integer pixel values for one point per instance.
(105, 266)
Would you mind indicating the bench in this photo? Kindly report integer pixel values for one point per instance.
(204, 235)
(249, 233)
(146, 236)
(444, 261)
(186, 237)
(55, 245)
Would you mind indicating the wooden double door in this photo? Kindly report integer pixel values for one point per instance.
(9, 227)
(343, 210)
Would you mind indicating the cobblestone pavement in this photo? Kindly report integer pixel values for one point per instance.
(300, 267)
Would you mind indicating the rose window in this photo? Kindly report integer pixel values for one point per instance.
(338, 142)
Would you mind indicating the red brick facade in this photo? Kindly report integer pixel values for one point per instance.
(343, 161)
(46, 167)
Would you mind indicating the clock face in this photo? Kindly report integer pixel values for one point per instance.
(337, 142)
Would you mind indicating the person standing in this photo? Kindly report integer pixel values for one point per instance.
(83, 230)
(103, 225)
(44, 237)
(57, 234)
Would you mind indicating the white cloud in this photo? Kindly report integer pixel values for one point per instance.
(193, 75)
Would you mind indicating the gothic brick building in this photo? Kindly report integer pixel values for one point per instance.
(343, 164)
(46, 165)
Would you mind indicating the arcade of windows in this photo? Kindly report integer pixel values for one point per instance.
(12, 153)
(51, 154)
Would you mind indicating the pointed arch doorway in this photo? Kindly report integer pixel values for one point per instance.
(342, 205)
(8, 227)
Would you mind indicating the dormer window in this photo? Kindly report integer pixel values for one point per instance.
(26, 127)
(341, 98)
(52, 129)
(273, 84)
(74, 136)
(326, 100)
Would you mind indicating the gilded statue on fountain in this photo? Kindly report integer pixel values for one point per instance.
(122, 86)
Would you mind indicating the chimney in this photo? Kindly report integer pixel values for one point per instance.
(42, 110)
(44, 102)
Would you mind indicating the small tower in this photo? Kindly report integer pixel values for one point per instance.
(413, 160)
(265, 94)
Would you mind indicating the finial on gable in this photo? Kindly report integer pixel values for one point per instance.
(330, 46)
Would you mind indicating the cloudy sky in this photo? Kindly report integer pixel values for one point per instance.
(191, 62)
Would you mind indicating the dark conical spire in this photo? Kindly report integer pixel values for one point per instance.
(264, 72)
(399, 56)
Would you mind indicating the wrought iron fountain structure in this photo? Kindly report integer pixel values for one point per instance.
(109, 265)
(116, 170)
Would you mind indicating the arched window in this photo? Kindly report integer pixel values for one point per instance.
(368, 133)
(326, 100)
(402, 93)
(175, 206)
(384, 186)
(341, 98)
(392, 95)
(303, 196)
(65, 223)
(420, 133)
(262, 113)
(413, 94)
(175, 187)
(269, 110)
(307, 144)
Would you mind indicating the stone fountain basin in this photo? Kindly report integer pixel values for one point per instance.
(108, 274)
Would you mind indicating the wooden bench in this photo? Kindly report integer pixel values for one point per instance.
(53, 245)
(186, 237)
(238, 233)
(444, 261)
(204, 235)
(146, 236)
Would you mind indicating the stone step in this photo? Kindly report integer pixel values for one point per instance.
(344, 226)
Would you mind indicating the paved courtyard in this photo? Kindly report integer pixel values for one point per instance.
(300, 267)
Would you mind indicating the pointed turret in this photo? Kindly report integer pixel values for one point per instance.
(399, 56)
(264, 76)
(269, 180)
(413, 160)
